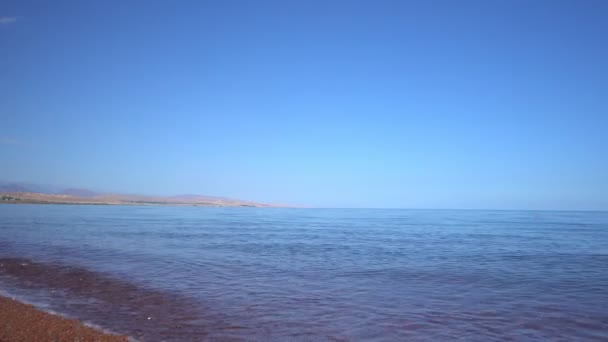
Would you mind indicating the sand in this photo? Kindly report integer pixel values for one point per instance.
(24, 322)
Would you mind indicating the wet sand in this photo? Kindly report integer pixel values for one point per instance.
(142, 313)
(24, 322)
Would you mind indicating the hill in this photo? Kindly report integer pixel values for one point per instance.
(23, 193)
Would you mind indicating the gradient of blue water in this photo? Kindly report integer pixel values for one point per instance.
(345, 274)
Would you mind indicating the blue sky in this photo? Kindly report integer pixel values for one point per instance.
(415, 104)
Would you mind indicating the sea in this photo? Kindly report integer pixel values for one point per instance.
(180, 273)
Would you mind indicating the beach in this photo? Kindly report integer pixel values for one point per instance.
(24, 322)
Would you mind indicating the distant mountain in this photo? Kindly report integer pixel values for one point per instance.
(79, 193)
(13, 188)
(32, 193)
(28, 187)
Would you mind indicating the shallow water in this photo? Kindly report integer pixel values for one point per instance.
(191, 273)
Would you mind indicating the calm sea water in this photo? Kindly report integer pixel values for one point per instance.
(188, 273)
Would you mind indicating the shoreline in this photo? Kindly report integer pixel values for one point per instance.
(126, 199)
(25, 322)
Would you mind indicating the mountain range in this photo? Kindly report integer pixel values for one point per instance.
(47, 194)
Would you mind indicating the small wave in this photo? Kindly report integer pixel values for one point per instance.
(107, 303)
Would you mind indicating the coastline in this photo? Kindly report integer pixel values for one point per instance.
(24, 322)
(126, 199)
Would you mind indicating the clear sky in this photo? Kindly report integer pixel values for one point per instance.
(415, 104)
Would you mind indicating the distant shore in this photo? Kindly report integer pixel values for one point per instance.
(126, 199)
(24, 322)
